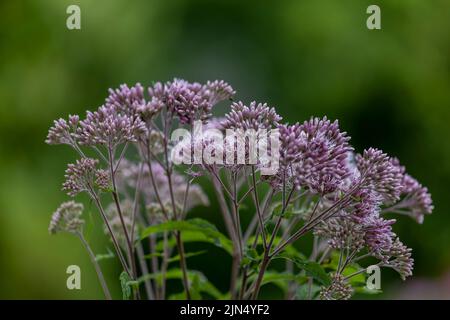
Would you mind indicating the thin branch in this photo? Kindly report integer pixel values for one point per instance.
(144, 268)
(258, 210)
(94, 261)
(111, 233)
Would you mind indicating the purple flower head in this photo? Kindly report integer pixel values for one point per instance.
(380, 174)
(290, 153)
(84, 176)
(190, 101)
(102, 180)
(126, 100)
(67, 218)
(255, 116)
(400, 259)
(217, 91)
(339, 289)
(132, 102)
(290, 145)
(415, 200)
(365, 203)
(322, 161)
(63, 132)
(182, 99)
(342, 233)
(417, 203)
(107, 126)
(378, 233)
(150, 109)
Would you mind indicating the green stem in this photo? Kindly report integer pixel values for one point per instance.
(98, 270)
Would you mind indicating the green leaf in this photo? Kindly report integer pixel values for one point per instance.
(305, 292)
(252, 254)
(356, 281)
(198, 229)
(198, 282)
(175, 258)
(194, 236)
(290, 250)
(104, 256)
(314, 270)
(311, 268)
(281, 280)
(153, 255)
(251, 259)
(194, 288)
(187, 255)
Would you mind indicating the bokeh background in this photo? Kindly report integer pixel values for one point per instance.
(389, 88)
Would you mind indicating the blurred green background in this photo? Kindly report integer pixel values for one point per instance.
(389, 88)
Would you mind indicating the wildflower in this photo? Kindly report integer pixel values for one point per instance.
(182, 99)
(190, 101)
(365, 203)
(338, 290)
(322, 164)
(217, 91)
(415, 200)
(84, 176)
(290, 137)
(400, 259)
(108, 127)
(126, 100)
(339, 196)
(255, 116)
(378, 173)
(417, 203)
(378, 233)
(289, 152)
(314, 155)
(63, 132)
(67, 218)
(102, 180)
(342, 233)
(149, 110)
